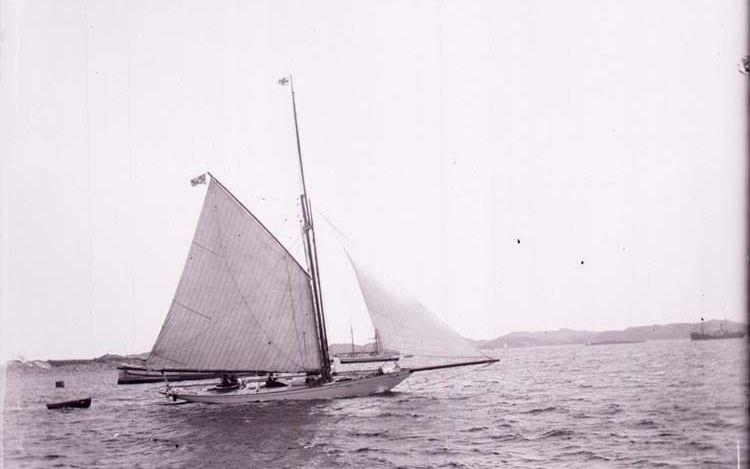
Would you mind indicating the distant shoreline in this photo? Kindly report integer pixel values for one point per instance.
(636, 334)
(629, 335)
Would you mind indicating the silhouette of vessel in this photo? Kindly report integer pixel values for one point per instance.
(721, 334)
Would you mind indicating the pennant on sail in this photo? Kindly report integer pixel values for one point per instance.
(403, 323)
(242, 303)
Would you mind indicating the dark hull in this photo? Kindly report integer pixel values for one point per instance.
(366, 359)
(137, 375)
(726, 335)
(79, 403)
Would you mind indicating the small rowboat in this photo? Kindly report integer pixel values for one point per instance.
(80, 403)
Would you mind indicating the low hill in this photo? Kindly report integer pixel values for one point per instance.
(514, 339)
(631, 334)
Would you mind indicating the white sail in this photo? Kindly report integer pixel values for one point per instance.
(242, 303)
(403, 324)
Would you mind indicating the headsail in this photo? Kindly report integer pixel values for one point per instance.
(405, 325)
(242, 303)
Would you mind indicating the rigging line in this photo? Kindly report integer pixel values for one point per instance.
(207, 249)
(192, 310)
(89, 177)
(335, 228)
(294, 316)
(446, 356)
(131, 195)
(166, 358)
(324, 357)
(297, 239)
(459, 374)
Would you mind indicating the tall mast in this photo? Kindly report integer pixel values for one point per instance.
(311, 250)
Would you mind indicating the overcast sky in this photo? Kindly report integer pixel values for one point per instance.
(606, 136)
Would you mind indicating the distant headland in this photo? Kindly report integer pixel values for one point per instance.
(512, 340)
(629, 335)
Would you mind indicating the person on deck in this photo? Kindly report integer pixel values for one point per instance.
(272, 382)
(227, 380)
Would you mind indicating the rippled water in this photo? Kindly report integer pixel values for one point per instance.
(655, 404)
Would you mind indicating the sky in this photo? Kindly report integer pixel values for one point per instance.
(515, 165)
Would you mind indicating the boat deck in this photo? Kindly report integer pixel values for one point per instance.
(343, 385)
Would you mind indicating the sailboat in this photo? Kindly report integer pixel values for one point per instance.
(244, 304)
(368, 356)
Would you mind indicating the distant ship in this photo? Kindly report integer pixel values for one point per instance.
(721, 334)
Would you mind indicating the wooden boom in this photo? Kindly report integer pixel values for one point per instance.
(453, 365)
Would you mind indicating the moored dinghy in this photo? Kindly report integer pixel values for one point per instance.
(76, 403)
(245, 305)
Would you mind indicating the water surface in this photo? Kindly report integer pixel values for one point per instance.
(655, 404)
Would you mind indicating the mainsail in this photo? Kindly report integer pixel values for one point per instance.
(403, 323)
(242, 303)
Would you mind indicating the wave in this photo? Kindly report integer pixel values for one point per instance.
(399, 415)
(371, 434)
(540, 410)
(453, 464)
(558, 433)
(613, 409)
(532, 419)
(475, 429)
(508, 437)
(647, 423)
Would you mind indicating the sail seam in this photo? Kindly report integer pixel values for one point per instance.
(153, 353)
(207, 249)
(191, 309)
(294, 315)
